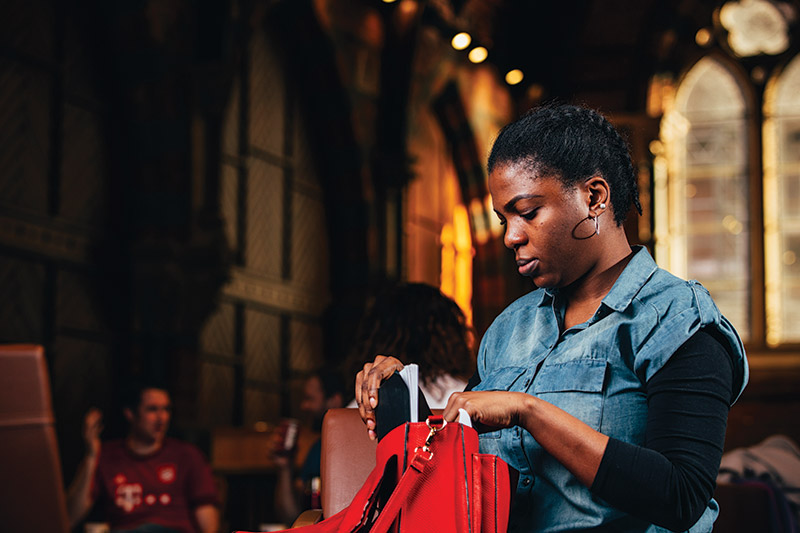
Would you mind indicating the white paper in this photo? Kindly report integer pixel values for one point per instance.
(463, 418)
(410, 375)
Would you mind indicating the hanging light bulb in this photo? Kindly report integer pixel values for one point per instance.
(461, 40)
(515, 76)
(478, 54)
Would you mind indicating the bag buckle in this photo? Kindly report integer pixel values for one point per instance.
(434, 430)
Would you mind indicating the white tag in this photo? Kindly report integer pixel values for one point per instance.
(463, 418)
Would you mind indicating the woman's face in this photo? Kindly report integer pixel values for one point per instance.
(539, 215)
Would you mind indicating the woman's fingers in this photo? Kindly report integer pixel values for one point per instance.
(368, 381)
(488, 410)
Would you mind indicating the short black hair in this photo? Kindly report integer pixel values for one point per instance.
(571, 143)
(133, 389)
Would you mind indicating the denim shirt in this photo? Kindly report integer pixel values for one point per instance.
(597, 372)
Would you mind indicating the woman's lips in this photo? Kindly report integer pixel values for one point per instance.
(527, 266)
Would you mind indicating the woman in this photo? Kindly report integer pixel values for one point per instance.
(607, 387)
(417, 323)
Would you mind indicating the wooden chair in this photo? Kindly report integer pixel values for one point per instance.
(31, 487)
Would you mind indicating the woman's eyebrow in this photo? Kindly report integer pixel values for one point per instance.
(510, 204)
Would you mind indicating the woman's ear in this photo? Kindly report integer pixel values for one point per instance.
(599, 194)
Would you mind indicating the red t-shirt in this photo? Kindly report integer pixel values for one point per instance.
(162, 488)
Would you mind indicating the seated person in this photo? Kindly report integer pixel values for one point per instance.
(416, 323)
(322, 390)
(146, 482)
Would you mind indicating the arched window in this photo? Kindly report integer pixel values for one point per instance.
(703, 221)
(782, 205)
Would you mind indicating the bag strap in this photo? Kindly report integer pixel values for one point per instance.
(408, 482)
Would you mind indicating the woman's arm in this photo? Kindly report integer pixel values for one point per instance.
(669, 486)
(574, 444)
(670, 479)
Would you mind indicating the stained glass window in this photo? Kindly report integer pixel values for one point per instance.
(782, 205)
(706, 193)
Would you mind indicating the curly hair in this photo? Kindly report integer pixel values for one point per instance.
(571, 143)
(415, 323)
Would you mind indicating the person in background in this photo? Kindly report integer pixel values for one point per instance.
(416, 323)
(608, 386)
(322, 390)
(146, 482)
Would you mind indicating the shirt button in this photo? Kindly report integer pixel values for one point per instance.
(526, 482)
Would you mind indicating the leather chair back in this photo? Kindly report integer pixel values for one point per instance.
(347, 458)
(31, 486)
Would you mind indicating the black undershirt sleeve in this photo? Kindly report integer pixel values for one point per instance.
(669, 480)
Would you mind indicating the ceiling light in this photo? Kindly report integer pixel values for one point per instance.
(461, 40)
(515, 76)
(478, 54)
(703, 37)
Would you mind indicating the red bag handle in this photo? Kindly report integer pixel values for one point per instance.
(410, 478)
(408, 482)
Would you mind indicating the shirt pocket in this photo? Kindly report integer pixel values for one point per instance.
(574, 386)
(503, 379)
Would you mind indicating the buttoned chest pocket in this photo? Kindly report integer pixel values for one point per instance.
(503, 379)
(574, 386)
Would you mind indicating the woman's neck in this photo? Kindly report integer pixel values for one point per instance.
(583, 297)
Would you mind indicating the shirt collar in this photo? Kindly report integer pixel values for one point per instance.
(631, 280)
(633, 277)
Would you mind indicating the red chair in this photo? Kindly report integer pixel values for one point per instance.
(31, 487)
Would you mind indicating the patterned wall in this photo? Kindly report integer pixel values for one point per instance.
(52, 203)
(266, 333)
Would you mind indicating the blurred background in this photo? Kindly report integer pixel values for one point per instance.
(209, 192)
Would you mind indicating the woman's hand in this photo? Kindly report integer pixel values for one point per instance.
(489, 410)
(368, 381)
(571, 442)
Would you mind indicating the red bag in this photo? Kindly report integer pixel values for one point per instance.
(428, 476)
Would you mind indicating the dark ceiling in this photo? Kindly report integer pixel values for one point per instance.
(574, 48)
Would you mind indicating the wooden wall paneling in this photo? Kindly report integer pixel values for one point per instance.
(79, 310)
(261, 405)
(23, 304)
(267, 99)
(306, 345)
(217, 392)
(309, 253)
(219, 362)
(262, 354)
(263, 235)
(218, 336)
(25, 143)
(232, 118)
(29, 27)
(83, 171)
(229, 203)
(243, 148)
